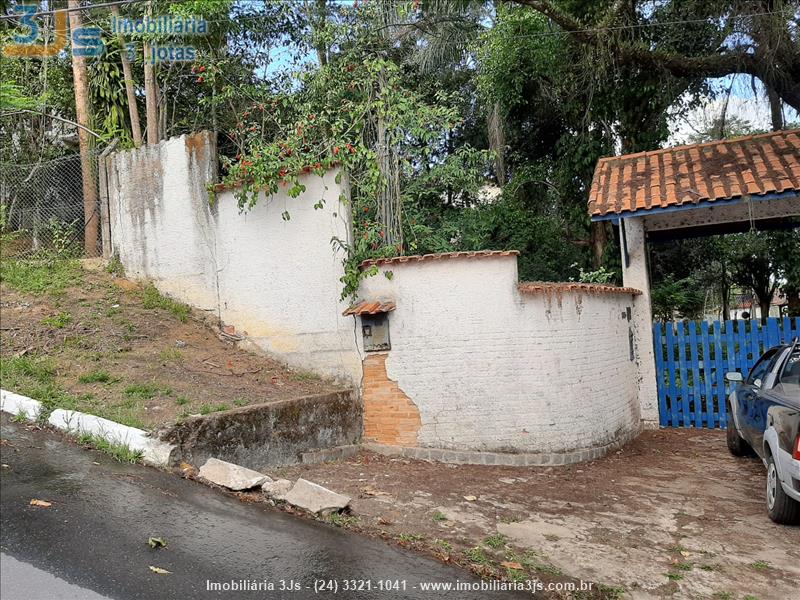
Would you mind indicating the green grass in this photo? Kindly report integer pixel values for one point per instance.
(145, 391)
(99, 376)
(611, 592)
(723, 596)
(477, 555)
(36, 377)
(119, 452)
(20, 417)
(444, 545)
(170, 354)
(496, 541)
(411, 537)
(40, 276)
(760, 565)
(439, 516)
(181, 401)
(304, 376)
(532, 560)
(240, 402)
(58, 321)
(207, 409)
(340, 520)
(152, 298)
(115, 266)
(672, 576)
(684, 566)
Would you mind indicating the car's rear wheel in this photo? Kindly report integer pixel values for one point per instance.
(781, 508)
(736, 443)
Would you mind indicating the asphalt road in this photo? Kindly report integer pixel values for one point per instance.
(91, 543)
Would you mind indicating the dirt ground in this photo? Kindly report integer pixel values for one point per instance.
(105, 345)
(671, 515)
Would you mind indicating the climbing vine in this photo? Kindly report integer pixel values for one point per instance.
(353, 114)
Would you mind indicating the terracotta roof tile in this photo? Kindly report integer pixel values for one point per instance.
(725, 169)
(547, 287)
(370, 308)
(431, 257)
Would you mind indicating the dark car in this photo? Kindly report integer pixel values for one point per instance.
(764, 417)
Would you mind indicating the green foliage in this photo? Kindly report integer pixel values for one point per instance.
(119, 452)
(36, 378)
(680, 297)
(58, 321)
(40, 276)
(99, 376)
(496, 541)
(145, 391)
(152, 298)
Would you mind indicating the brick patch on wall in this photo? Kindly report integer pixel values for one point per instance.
(390, 417)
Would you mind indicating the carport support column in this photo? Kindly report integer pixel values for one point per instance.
(635, 275)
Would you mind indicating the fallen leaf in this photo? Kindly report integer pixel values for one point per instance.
(159, 570)
(42, 503)
(155, 542)
(5, 466)
(384, 521)
(685, 553)
(470, 498)
(511, 565)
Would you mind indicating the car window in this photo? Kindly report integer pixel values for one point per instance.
(761, 368)
(791, 370)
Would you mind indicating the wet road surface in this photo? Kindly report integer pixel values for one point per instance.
(92, 542)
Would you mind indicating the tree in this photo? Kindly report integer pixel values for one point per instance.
(753, 38)
(83, 110)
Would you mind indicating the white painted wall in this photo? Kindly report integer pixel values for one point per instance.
(494, 369)
(635, 274)
(276, 281)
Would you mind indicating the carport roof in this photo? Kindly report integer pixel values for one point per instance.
(765, 165)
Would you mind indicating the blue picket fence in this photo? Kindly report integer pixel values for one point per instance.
(693, 357)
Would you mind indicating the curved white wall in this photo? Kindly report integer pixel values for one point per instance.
(495, 369)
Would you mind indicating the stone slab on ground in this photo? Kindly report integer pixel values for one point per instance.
(315, 498)
(277, 489)
(231, 476)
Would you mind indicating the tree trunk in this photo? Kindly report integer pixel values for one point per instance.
(599, 242)
(83, 112)
(150, 91)
(793, 302)
(764, 306)
(775, 109)
(319, 19)
(725, 293)
(497, 142)
(133, 109)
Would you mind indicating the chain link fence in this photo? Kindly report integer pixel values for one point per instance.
(42, 209)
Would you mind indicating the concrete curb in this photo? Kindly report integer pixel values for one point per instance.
(154, 452)
(15, 404)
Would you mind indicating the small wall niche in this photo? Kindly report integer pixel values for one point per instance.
(375, 332)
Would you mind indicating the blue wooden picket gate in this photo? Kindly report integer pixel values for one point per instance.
(693, 357)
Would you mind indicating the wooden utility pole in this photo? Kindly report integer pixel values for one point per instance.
(133, 109)
(150, 90)
(83, 112)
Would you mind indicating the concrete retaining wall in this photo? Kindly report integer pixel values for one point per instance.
(277, 433)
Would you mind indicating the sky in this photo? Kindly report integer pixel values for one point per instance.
(743, 103)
